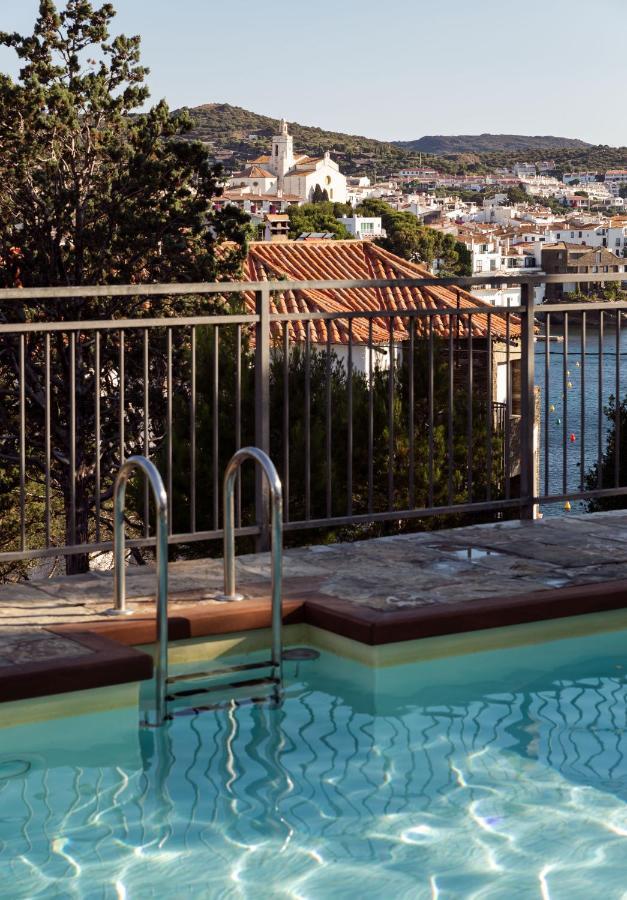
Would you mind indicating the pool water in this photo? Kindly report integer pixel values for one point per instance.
(498, 774)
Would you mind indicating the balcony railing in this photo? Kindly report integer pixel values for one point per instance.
(371, 415)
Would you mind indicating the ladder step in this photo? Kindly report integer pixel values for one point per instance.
(235, 685)
(226, 670)
(220, 704)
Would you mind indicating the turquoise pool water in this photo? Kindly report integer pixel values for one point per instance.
(493, 775)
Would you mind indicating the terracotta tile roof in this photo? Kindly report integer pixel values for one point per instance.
(264, 158)
(308, 260)
(253, 171)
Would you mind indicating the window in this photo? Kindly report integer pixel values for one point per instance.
(479, 266)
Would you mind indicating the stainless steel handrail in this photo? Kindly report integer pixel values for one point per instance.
(119, 571)
(276, 498)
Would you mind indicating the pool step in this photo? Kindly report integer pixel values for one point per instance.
(234, 685)
(216, 673)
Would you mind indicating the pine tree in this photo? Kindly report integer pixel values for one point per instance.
(93, 192)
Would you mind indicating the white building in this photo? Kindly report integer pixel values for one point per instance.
(363, 227)
(288, 173)
(615, 179)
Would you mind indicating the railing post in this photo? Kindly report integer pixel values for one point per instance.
(262, 413)
(528, 461)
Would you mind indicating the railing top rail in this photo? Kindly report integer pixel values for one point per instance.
(251, 319)
(234, 287)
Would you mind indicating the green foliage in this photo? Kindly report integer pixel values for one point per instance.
(313, 381)
(603, 475)
(517, 194)
(622, 191)
(482, 143)
(409, 239)
(94, 193)
(317, 216)
(320, 195)
(247, 134)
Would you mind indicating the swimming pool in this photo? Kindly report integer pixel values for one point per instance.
(501, 773)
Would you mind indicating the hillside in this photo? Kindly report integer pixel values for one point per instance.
(247, 134)
(236, 135)
(489, 143)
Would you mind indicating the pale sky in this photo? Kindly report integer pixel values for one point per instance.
(397, 69)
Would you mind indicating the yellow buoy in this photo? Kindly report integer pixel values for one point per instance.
(568, 371)
(552, 408)
(567, 506)
(569, 384)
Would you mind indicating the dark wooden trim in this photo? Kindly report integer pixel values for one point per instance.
(114, 660)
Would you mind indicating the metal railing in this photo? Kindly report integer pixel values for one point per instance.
(132, 464)
(373, 414)
(276, 496)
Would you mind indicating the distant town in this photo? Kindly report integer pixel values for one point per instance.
(523, 218)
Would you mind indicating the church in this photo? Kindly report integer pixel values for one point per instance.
(286, 174)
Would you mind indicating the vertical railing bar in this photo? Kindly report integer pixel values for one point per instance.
(470, 422)
(216, 427)
(48, 452)
(262, 412)
(508, 407)
(169, 426)
(146, 428)
(192, 433)
(617, 428)
(121, 394)
(565, 410)
(547, 400)
(430, 411)
(72, 432)
(600, 407)
(349, 448)
(411, 322)
(582, 446)
(490, 407)
(286, 421)
(97, 436)
(308, 421)
(328, 436)
(528, 482)
(22, 390)
(238, 424)
(451, 400)
(391, 416)
(370, 421)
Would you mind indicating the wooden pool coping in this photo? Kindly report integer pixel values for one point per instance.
(112, 658)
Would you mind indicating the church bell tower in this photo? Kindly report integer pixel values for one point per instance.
(282, 152)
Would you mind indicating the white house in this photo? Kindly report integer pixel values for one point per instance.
(288, 173)
(615, 179)
(363, 227)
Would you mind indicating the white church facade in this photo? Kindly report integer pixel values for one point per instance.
(287, 174)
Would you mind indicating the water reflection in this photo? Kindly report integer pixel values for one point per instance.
(333, 777)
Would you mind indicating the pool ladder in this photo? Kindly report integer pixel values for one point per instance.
(163, 682)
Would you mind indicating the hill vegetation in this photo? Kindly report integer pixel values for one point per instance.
(234, 136)
(247, 135)
(488, 143)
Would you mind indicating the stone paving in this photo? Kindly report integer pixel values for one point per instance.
(463, 564)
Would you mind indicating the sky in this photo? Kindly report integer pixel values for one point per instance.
(393, 70)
